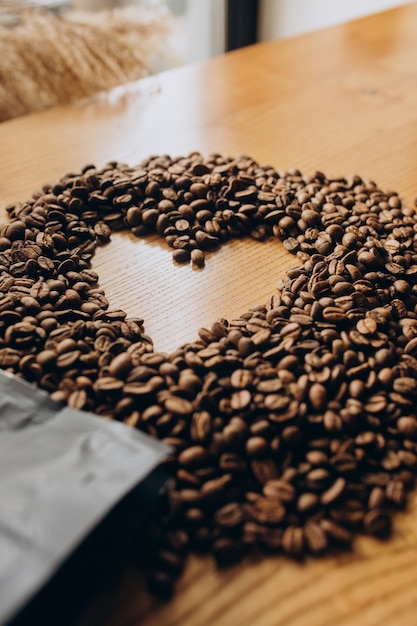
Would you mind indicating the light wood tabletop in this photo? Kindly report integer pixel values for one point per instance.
(342, 101)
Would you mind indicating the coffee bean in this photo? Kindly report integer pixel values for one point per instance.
(408, 426)
(336, 532)
(182, 255)
(279, 489)
(318, 396)
(315, 537)
(256, 446)
(178, 405)
(264, 470)
(267, 511)
(334, 491)
(395, 492)
(377, 498)
(120, 365)
(377, 522)
(198, 257)
(240, 399)
(306, 502)
(229, 516)
(291, 427)
(293, 541)
(194, 456)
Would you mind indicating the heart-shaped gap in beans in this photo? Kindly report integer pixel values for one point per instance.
(293, 426)
(176, 300)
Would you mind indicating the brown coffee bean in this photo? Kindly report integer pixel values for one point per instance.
(264, 470)
(315, 537)
(343, 463)
(182, 255)
(367, 326)
(121, 365)
(408, 426)
(376, 498)
(395, 492)
(235, 432)
(67, 359)
(318, 476)
(305, 403)
(78, 399)
(109, 384)
(405, 385)
(178, 405)
(198, 258)
(216, 487)
(232, 463)
(241, 379)
(333, 314)
(229, 516)
(335, 532)
(201, 426)
(195, 456)
(333, 492)
(256, 446)
(316, 457)
(377, 522)
(293, 541)
(267, 511)
(240, 399)
(279, 489)
(332, 422)
(306, 502)
(317, 395)
(407, 458)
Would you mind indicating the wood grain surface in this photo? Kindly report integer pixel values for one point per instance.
(343, 101)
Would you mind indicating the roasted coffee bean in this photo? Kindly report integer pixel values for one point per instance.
(192, 457)
(256, 446)
(267, 511)
(291, 427)
(337, 533)
(230, 516)
(198, 257)
(293, 541)
(279, 489)
(307, 502)
(315, 537)
(377, 522)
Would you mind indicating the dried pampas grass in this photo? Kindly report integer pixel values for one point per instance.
(53, 58)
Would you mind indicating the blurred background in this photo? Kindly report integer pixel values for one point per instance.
(80, 48)
(204, 28)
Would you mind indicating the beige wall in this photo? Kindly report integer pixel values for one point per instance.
(285, 18)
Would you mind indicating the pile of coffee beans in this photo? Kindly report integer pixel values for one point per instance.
(293, 427)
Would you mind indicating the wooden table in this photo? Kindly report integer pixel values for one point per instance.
(343, 101)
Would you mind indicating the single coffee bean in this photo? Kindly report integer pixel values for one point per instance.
(293, 541)
(306, 502)
(198, 257)
(279, 489)
(315, 537)
(377, 522)
(256, 446)
(335, 532)
(194, 456)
